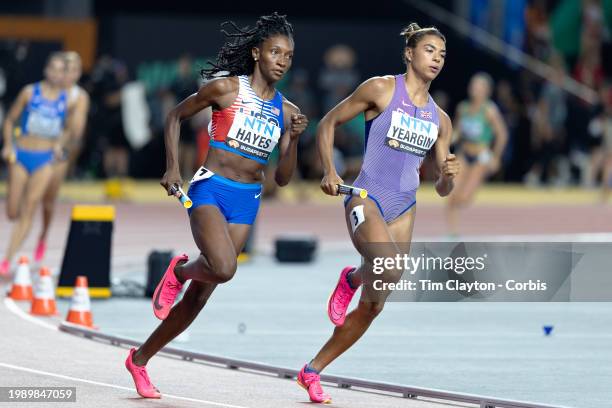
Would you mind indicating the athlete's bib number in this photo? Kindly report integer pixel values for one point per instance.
(411, 135)
(253, 135)
(357, 217)
(472, 128)
(202, 174)
(44, 126)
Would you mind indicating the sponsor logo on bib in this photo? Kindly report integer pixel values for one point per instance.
(411, 135)
(253, 135)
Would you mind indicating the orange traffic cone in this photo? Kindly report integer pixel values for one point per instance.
(80, 306)
(44, 297)
(22, 285)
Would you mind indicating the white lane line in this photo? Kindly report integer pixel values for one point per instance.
(12, 306)
(570, 237)
(119, 387)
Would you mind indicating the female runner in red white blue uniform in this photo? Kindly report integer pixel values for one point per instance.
(250, 117)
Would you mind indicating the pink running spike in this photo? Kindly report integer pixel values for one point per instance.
(340, 298)
(5, 267)
(167, 290)
(141, 379)
(311, 382)
(39, 253)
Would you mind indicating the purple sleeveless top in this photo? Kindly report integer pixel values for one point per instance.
(396, 142)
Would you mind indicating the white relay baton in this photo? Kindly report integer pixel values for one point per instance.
(178, 192)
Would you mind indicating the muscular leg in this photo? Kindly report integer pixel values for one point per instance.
(193, 301)
(607, 176)
(17, 180)
(33, 194)
(477, 176)
(357, 322)
(401, 231)
(453, 202)
(464, 193)
(596, 163)
(217, 262)
(50, 197)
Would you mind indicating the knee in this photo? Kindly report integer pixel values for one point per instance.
(48, 204)
(12, 213)
(28, 209)
(224, 268)
(456, 199)
(461, 200)
(372, 309)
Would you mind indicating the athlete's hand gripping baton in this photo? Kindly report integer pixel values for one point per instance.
(178, 192)
(353, 191)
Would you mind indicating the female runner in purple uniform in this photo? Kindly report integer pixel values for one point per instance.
(402, 124)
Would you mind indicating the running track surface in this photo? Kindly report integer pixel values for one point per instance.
(44, 357)
(141, 227)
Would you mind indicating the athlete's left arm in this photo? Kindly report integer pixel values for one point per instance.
(77, 120)
(295, 123)
(501, 135)
(448, 165)
(60, 145)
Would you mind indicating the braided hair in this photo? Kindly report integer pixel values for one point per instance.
(235, 56)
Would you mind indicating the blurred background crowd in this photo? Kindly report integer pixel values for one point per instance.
(143, 65)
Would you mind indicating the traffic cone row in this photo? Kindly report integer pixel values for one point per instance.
(43, 300)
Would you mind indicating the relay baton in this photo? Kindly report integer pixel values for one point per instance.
(178, 192)
(352, 191)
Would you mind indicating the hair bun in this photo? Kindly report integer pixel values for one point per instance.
(410, 29)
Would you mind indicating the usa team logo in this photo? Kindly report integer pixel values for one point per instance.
(275, 111)
(426, 114)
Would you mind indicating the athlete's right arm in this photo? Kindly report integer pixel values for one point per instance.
(11, 118)
(214, 93)
(369, 96)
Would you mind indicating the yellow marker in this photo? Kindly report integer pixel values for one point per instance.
(350, 190)
(182, 197)
(12, 158)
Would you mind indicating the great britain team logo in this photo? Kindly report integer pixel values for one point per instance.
(426, 115)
